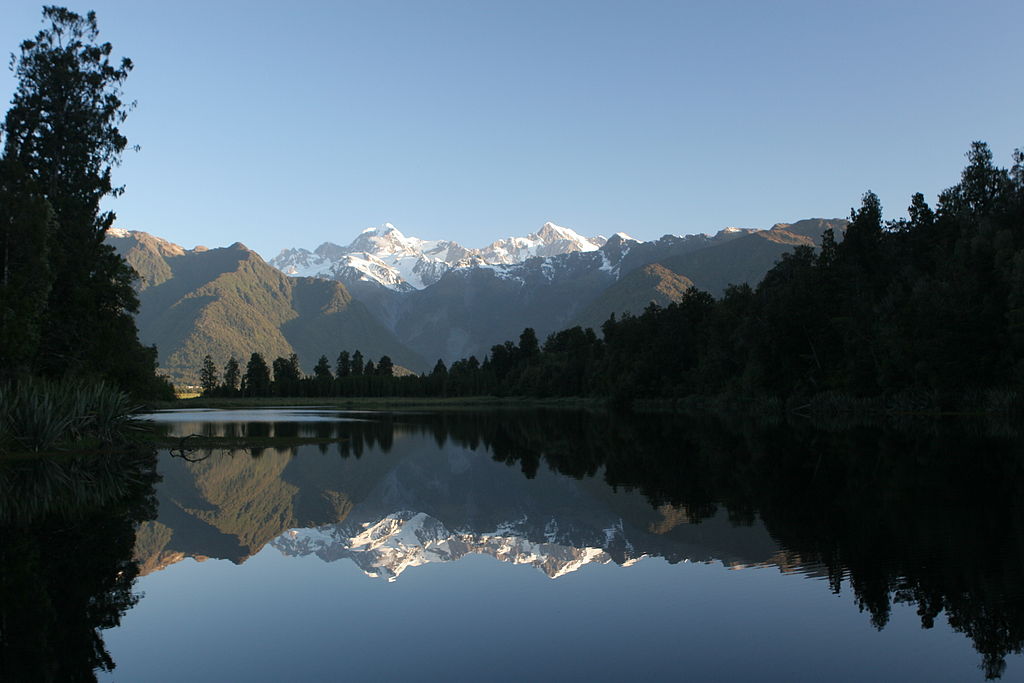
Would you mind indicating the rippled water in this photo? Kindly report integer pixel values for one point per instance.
(543, 546)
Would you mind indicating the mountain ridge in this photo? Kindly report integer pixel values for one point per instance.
(461, 304)
(387, 256)
(228, 302)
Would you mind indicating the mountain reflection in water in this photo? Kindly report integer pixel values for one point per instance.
(926, 517)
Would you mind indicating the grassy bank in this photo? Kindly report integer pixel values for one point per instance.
(38, 415)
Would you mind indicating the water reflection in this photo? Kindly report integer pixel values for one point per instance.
(926, 517)
(929, 518)
(67, 531)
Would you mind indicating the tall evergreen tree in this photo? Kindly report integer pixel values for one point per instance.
(232, 375)
(62, 132)
(344, 365)
(528, 344)
(208, 375)
(322, 371)
(385, 366)
(26, 221)
(256, 381)
(287, 375)
(357, 363)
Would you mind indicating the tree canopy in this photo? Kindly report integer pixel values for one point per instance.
(72, 297)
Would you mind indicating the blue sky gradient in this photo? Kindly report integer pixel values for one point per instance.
(287, 125)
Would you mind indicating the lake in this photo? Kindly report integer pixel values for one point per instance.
(518, 545)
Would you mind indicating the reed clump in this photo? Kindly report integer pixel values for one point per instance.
(42, 415)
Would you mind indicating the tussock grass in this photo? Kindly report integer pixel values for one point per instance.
(41, 415)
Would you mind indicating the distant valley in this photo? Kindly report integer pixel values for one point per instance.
(418, 300)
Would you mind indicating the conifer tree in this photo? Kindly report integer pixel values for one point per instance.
(357, 363)
(256, 381)
(528, 344)
(208, 375)
(26, 221)
(322, 370)
(344, 366)
(62, 133)
(231, 375)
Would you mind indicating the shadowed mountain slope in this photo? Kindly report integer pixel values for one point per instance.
(748, 257)
(633, 292)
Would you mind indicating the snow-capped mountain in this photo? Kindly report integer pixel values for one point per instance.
(385, 256)
(398, 541)
(550, 240)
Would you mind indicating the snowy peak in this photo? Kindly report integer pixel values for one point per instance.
(386, 256)
(382, 255)
(385, 240)
(550, 240)
(387, 547)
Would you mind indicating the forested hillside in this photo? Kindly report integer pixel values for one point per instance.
(929, 309)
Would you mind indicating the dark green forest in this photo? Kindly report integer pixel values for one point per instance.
(926, 311)
(67, 304)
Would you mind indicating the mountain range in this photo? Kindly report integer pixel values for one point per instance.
(418, 300)
(228, 302)
(387, 257)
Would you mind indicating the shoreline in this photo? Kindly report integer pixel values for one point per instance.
(371, 403)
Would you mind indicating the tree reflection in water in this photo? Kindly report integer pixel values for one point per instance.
(928, 516)
(67, 529)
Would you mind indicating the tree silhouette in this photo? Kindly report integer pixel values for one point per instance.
(256, 381)
(60, 141)
(231, 375)
(344, 365)
(208, 375)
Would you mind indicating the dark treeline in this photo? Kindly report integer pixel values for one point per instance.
(928, 310)
(353, 375)
(66, 299)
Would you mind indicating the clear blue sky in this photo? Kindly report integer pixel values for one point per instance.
(288, 124)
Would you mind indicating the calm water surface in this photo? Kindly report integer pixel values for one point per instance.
(530, 546)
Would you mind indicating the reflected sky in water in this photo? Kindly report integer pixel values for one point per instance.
(279, 618)
(543, 546)
(201, 415)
